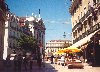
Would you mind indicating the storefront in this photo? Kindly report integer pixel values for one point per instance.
(90, 47)
(93, 49)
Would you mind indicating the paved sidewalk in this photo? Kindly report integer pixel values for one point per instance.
(54, 68)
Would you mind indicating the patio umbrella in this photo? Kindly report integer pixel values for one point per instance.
(62, 50)
(59, 52)
(72, 49)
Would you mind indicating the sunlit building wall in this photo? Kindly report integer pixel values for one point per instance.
(12, 33)
(86, 28)
(55, 45)
(85, 18)
(37, 28)
(3, 10)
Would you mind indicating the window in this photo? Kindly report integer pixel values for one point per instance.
(78, 17)
(94, 1)
(81, 14)
(73, 23)
(74, 10)
(81, 2)
(76, 21)
(84, 10)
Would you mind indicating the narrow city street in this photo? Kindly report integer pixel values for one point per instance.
(49, 35)
(54, 68)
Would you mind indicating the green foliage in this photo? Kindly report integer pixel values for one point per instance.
(27, 43)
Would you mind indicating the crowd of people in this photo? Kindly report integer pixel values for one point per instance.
(20, 61)
(64, 59)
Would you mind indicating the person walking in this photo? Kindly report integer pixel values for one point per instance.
(20, 59)
(52, 59)
(15, 63)
(25, 62)
(31, 63)
(62, 60)
(8, 62)
(39, 59)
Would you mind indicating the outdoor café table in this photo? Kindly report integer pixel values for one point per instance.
(76, 64)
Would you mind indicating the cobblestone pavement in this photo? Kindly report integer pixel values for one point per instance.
(55, 68)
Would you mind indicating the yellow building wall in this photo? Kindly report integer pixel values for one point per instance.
(78, 12)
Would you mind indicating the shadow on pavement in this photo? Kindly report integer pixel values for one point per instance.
(47, 68)
(50, 68)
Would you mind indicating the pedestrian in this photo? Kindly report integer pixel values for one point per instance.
(31, 63)
(39, 59)
(15, 62)
(8, 62)
(25, 62)
(62, 60)
(20, 59)
(52, 59)
(56, 60)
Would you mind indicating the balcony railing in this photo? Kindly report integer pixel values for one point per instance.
(74, 5)
(82, 19)
(88, 32)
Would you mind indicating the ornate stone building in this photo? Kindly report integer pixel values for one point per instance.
(37, 29)
(13, 31)
(55, 45)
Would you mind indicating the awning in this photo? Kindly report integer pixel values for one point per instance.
(84, 40)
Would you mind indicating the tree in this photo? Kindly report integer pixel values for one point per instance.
(27, 43)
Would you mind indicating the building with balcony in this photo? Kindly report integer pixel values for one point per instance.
(12, 34)
(37, 29)
(86, 27)
(14, 27)
(3, 10)
(55, 45)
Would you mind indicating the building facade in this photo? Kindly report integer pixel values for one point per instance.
(3, 10)
(85, 26)
(37, 29)
(13, 31)
(55, 45)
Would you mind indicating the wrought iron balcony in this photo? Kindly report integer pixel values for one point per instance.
(74, 5)
(88, 32)
(82, 19)
(77, 26)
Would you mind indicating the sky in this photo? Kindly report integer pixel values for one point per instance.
(55, 14)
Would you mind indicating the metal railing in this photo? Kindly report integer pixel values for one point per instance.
(86, 33)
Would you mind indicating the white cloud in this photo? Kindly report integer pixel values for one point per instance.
(59, 21)
(66, 22)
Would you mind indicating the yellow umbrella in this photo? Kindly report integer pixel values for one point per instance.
(62, 50)
(72, 49)
(59, 52)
